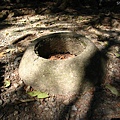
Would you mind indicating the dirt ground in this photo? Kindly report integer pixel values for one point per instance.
(22, 23)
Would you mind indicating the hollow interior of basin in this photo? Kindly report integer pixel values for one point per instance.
(59, 47)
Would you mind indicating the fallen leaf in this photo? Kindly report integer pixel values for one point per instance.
(2, 54)
(27, 100)
(117, 55)
(42, 95)
(38, 94)
(33, 93)
(6, 83)
(113, 90)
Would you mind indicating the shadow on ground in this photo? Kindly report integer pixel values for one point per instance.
(94, 74)
(2, 73)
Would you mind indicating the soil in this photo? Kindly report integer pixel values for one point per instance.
(60, 56)
(22, 23)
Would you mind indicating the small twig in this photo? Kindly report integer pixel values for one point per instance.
(27, 100)
(24, 101)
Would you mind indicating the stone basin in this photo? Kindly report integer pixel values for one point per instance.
(61, 76)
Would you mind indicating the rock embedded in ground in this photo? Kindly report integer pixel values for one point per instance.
(61, 76)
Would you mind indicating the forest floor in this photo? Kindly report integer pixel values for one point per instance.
(20, 24)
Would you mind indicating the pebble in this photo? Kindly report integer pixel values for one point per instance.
(15, 85)
(54, 110)
(37, 103)
(45, 104)
(46, 108)
(7, 94)
(72, 115)
(46, 99)
(50, 105)
(74, 108)
(16, 107)
(41, 106)
(52, 99)
(24, 96)
(51, 113)
(66, 102)
(62, 106)
(7, 101)
(20, 82)
(12, 74)
(27, 118)
(17, 118)
(26, 109)
(1, 102)
(15, 113)
(78, 118)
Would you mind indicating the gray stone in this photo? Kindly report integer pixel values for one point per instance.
(61, 77)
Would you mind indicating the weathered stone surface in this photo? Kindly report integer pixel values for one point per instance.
(68, 76)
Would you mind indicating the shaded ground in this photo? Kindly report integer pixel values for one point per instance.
(21, 25)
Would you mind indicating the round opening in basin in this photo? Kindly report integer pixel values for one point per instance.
(55, 48)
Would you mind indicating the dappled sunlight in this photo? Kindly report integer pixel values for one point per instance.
(23, 23)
